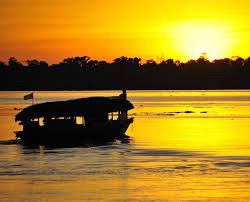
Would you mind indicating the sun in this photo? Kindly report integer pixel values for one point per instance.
(194, 38)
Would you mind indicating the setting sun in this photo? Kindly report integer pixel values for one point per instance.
(196, 37)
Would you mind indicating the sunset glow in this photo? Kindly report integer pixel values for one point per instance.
(124, 100)
(194, 38)
(109, 29)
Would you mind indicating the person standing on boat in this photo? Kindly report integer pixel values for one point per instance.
(124, 95)
(123, 115)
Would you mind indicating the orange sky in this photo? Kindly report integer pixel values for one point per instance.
(104, 29)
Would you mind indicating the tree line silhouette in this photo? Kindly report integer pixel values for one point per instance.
(82, 73)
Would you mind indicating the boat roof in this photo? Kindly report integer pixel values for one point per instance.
(92, 106)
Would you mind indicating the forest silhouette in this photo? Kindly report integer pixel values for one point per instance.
(82, 73)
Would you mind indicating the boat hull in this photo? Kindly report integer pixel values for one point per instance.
(92, 134)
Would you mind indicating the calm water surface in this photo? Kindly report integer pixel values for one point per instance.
(184, 146)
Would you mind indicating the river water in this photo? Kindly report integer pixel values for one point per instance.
(184, 146)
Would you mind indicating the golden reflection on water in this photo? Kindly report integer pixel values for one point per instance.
(176, 152)
(217, 135)
(136, 188)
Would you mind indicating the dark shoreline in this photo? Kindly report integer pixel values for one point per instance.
(82, 73)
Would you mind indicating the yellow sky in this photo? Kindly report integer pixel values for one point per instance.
(104, 29)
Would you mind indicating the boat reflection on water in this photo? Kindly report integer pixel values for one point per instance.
(93, 120)
(35, 146)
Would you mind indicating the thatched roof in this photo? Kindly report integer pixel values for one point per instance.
(79, 107)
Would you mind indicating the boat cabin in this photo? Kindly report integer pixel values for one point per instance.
(75, 113)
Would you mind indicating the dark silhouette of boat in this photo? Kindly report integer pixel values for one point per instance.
(85, 120)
